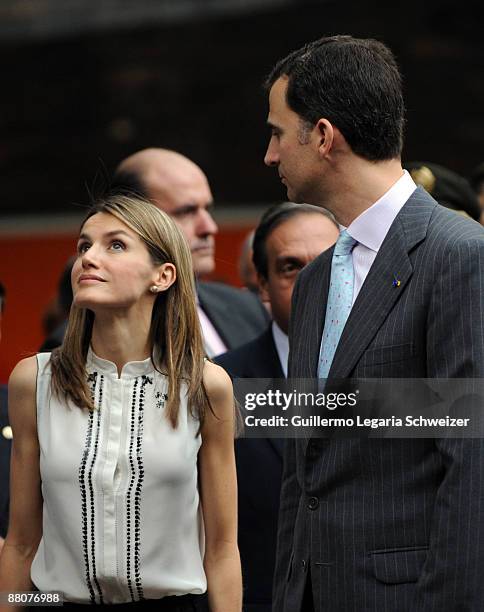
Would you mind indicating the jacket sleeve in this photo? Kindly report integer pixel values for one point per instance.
(452, 574)
(290, 495)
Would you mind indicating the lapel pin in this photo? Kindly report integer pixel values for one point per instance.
(7, 432)
(396, 282)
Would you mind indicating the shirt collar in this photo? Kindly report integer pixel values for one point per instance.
(371, 227)
(132, 369)
(281, 341)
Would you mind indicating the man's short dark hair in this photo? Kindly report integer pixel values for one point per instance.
(272, 218)
(3, 293)
(477, 178)
(353, 83)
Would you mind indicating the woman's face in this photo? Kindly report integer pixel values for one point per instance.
(113, 268)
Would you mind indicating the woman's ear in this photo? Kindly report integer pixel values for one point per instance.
(164, 278)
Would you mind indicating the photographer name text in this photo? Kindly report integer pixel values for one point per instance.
(318, 421)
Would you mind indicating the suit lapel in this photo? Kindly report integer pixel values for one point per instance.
(308, 326)
(322, 290)
(278, 446)
(272, 368)
(216, 311)
(268, 357)
(374, 302)
(378, 294)
(384, 284)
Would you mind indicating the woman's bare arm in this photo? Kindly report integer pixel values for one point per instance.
(25, 522)
(219, 495)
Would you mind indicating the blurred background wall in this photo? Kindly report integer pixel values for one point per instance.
(85, 83)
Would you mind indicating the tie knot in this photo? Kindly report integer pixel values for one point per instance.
(344, 244)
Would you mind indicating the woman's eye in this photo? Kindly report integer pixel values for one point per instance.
(82, 247)
(117, 245)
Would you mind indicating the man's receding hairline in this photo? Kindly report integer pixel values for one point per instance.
(320, 212)
(293, 214)
(152, 172)
(145, 161)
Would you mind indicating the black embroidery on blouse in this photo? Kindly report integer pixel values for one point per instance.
(161, 398)
(145, 380)
(82, 485)
(130, 489)
(91, 488)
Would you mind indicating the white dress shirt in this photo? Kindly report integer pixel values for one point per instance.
(371, 227)
(281, 341)
(212, 342)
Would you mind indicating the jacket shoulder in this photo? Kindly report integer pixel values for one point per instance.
(235, 362)
(255, 359)
(226, 292)
(454, 226)
(241, 300)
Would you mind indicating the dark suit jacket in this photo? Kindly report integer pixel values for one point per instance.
(390, 524)
(255, 359)
(259, 471)
(5, 445)
(237, 315)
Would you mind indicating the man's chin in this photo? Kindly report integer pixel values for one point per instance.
(203, 266)
(294, 197)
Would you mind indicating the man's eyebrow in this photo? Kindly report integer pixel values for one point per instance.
(185, 209)
(282, 259)
(272, 126)
(191, 207)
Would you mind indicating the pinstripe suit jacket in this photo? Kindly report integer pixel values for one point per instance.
(390, 525)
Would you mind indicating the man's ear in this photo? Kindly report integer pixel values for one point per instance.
(165, 276)
(325, 135)
(263, 292)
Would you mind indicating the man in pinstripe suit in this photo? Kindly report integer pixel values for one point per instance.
(376, 525)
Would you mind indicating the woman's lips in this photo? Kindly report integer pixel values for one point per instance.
(89, 278)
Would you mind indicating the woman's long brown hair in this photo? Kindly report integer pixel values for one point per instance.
(175, 334)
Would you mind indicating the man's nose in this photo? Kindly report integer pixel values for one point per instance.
(271, 157)
(206, 225)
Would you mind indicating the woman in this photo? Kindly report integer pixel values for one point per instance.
(118, 430)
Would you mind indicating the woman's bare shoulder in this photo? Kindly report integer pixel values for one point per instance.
(24, 375)
(217, 382)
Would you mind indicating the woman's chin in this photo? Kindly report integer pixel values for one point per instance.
(87, 303)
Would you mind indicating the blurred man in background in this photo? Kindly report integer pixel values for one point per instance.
(247, 271)
(229, 317)
(288, 237)
(446, 186)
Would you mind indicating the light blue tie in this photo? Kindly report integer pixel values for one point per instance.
(340, 299)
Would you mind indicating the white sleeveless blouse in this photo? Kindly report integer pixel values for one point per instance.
(121, 511)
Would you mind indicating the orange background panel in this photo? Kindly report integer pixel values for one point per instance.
(30, 267)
